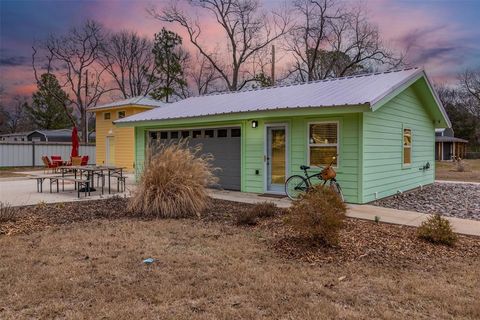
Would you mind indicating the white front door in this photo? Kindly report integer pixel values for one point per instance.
(276, 158)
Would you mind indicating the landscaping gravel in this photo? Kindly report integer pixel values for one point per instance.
(448, 199)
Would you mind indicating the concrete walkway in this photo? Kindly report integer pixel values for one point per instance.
(457, 182)
(366, 212)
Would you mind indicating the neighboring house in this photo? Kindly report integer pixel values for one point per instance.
(381, 126)
(58, 135)
(447, 146)
(17, 136)
(115, 146)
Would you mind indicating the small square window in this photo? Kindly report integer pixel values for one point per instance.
(222, 133)
(235, 133)
(197, 133)
(106, 116)
(185, 134)
(209, 133)
(164, 135)
(174, 135)
(153, 135)
(121, 114)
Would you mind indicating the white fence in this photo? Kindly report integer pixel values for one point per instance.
(29, 153)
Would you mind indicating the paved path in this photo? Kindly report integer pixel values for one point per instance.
(366, 212)
(457, 182)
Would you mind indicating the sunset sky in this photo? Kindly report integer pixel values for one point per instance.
(443, 36)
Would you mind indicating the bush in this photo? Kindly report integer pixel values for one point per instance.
(258, 211)
(7, 212)
(173, 183)
(437, 230)
(247, 217)
(265, 209)
(318, 215)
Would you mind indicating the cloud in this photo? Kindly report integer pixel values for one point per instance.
(14, 61)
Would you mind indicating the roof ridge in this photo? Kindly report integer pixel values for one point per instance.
(306, 82)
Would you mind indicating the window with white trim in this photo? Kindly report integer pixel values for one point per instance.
(323, 143)
(407, 146)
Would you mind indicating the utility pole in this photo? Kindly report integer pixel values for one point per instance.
(273, 65)
(86, 105)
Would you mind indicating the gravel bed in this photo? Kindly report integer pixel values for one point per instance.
(448, 199)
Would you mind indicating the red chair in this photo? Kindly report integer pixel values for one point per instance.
(84, 161)
(57, 160)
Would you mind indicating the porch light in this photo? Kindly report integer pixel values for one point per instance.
(254, 124)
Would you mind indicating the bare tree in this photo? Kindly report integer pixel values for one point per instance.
(128, 58)
(247, 28)
(15, 119)
(74, 59)
(204, 75)
(470, 84)
(333, 41)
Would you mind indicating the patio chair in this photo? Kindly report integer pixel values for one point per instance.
(57, 160)
(84, 161)
(48, 164)
(76, 161)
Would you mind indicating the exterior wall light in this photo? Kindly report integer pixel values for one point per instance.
(254, 124)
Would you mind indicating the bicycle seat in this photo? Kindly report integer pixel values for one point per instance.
(304, 167)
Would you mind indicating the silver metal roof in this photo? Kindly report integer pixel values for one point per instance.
(139, 101)
(347, 91)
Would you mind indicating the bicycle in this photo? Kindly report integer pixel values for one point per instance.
(296, 185)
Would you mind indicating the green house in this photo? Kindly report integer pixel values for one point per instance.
(381, 126)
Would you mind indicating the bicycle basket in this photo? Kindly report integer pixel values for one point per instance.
(328, 173)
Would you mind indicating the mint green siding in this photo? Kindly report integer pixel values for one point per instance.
(383, 169)
(370, 142)
(253, 144)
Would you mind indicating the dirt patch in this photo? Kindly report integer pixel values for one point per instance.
(447, 170)
(379, 244)
(210, 270)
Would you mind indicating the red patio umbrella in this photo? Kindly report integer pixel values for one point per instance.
(75, 143)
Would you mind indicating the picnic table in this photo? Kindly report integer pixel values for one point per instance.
(76, 174)
(91, 171)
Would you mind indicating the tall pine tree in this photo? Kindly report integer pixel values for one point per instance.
(47, 110)
(169, 61)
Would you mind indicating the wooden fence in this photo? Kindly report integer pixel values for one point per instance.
(29, 153)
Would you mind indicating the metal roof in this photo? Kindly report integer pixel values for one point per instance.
(366, 89)
(449, 139)
(138, 101)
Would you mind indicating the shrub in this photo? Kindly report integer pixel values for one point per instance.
(247, 217)
(437, 230)
(7, 212)
(174, 181)
(318, 215)
(258, 211)
(460, 166)
(265, 209)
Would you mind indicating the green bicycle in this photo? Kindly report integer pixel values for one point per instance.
(296, 185)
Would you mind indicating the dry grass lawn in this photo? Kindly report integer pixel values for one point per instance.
(446, 170)
(211, 270)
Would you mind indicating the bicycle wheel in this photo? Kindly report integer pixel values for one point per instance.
(295, 186)
(335, 186)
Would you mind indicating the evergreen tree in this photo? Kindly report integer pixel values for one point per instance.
(47, 110)
(169, 61)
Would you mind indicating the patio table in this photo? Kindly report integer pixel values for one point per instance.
(91, 170)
